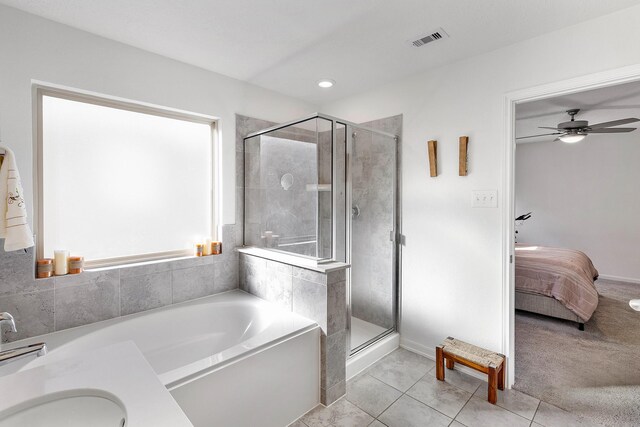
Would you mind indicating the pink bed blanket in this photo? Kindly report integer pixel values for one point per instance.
(564, 274)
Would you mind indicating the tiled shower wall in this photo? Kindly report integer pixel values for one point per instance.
(47, 305)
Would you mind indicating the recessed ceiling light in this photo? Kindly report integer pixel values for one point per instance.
(326, 83)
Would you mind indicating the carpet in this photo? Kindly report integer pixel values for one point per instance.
(594, 373)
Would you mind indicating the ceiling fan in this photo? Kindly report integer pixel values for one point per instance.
(576, 130)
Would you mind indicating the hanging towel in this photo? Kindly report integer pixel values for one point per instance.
(13, 213)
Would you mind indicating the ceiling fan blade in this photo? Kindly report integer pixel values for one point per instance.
(545, 127)
(611, 130)
(544, 134)
(614, 123)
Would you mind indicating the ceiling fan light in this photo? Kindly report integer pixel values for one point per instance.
(572, 138)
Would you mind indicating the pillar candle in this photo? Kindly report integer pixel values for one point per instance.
(60, 262)
(207, 247)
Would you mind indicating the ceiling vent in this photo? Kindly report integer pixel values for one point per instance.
(433, 36)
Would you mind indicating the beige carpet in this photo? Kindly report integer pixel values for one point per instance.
(595, 373)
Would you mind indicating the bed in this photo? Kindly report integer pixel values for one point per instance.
(555, 282)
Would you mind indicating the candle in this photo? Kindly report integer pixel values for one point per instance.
(207, 247)
(60, 262)
(45, 268)
(76, 265)
(199, 249)
(216, 248)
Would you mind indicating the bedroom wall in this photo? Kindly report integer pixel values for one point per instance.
(584, 196)
(452, 266)
(33, 48)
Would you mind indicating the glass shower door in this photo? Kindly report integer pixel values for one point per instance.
(372, 176)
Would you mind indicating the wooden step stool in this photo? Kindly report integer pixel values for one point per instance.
(474, 357)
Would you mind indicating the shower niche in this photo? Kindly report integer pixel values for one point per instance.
(321, 190)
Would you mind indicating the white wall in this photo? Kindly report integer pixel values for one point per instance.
(584, 196)
(452, 266)
(32, 48)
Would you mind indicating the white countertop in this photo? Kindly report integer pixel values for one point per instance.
(295, 260)
(119, 370)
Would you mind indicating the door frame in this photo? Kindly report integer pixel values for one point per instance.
(579, 84)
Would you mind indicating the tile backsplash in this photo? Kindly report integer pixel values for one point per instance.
(47, 305)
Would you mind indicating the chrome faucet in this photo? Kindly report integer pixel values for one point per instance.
(7, 356)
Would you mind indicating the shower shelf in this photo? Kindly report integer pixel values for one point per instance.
(318, 187)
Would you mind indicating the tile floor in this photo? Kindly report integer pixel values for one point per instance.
(401, 391)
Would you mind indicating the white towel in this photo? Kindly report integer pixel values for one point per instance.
(13, 213)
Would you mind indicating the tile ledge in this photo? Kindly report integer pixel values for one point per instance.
(307, 264)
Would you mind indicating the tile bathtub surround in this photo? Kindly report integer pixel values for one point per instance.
(46, 305)
(372, 399)
(318, 296)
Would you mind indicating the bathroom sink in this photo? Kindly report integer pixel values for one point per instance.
(65, 410)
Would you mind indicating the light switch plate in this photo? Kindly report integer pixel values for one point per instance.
(484, 198)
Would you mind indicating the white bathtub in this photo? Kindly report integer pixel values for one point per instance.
(229, 360)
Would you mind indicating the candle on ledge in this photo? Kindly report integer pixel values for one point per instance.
(60, 262)
(76, 265)
(199, 249)
(207, 247)
(45, 268)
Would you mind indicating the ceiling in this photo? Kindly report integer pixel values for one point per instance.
(598, 105)
(287, 45)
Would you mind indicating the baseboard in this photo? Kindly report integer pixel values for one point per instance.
(619, 279)
(429, 353)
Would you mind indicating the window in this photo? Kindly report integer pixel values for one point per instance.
(120, 181)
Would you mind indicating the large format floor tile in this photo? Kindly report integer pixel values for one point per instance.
(439, 395)
(401, 369)
(408, 412)
(461, 380)
(480, 413)
(371, 395)
(341, 414)
(513, 400)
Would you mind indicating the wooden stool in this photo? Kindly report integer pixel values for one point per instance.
(474, 357)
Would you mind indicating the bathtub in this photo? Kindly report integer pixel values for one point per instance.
(230, 359)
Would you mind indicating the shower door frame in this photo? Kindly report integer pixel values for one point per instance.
(396, 236)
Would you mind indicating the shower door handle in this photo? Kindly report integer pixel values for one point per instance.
(392, 236)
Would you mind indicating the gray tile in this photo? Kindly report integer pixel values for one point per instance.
(480, 413)
(194, 282)
(336, 276)
(226, 272)
(401, 369)
(310, 300)
(371, 395)
(333, 358)
(32, 312)
(328, 396)
(336, 307)
(439, 395)
(408, 412)
(278, 284)
(513, 400)
(193, 261)
(461, 380)
(341, 414)
(77, 305)
(552, 416)
(17, 272)
(456, 424)
(377, 423)
(92, 276)
(297, 423)
(310, 275)
(141, 293)
(252, 272)
(144, 268)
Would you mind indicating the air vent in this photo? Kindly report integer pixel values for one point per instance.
(430, 37)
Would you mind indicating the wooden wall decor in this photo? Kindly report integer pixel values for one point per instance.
(462, 164)
(433, 158)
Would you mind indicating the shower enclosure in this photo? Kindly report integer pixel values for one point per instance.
(325, 190)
